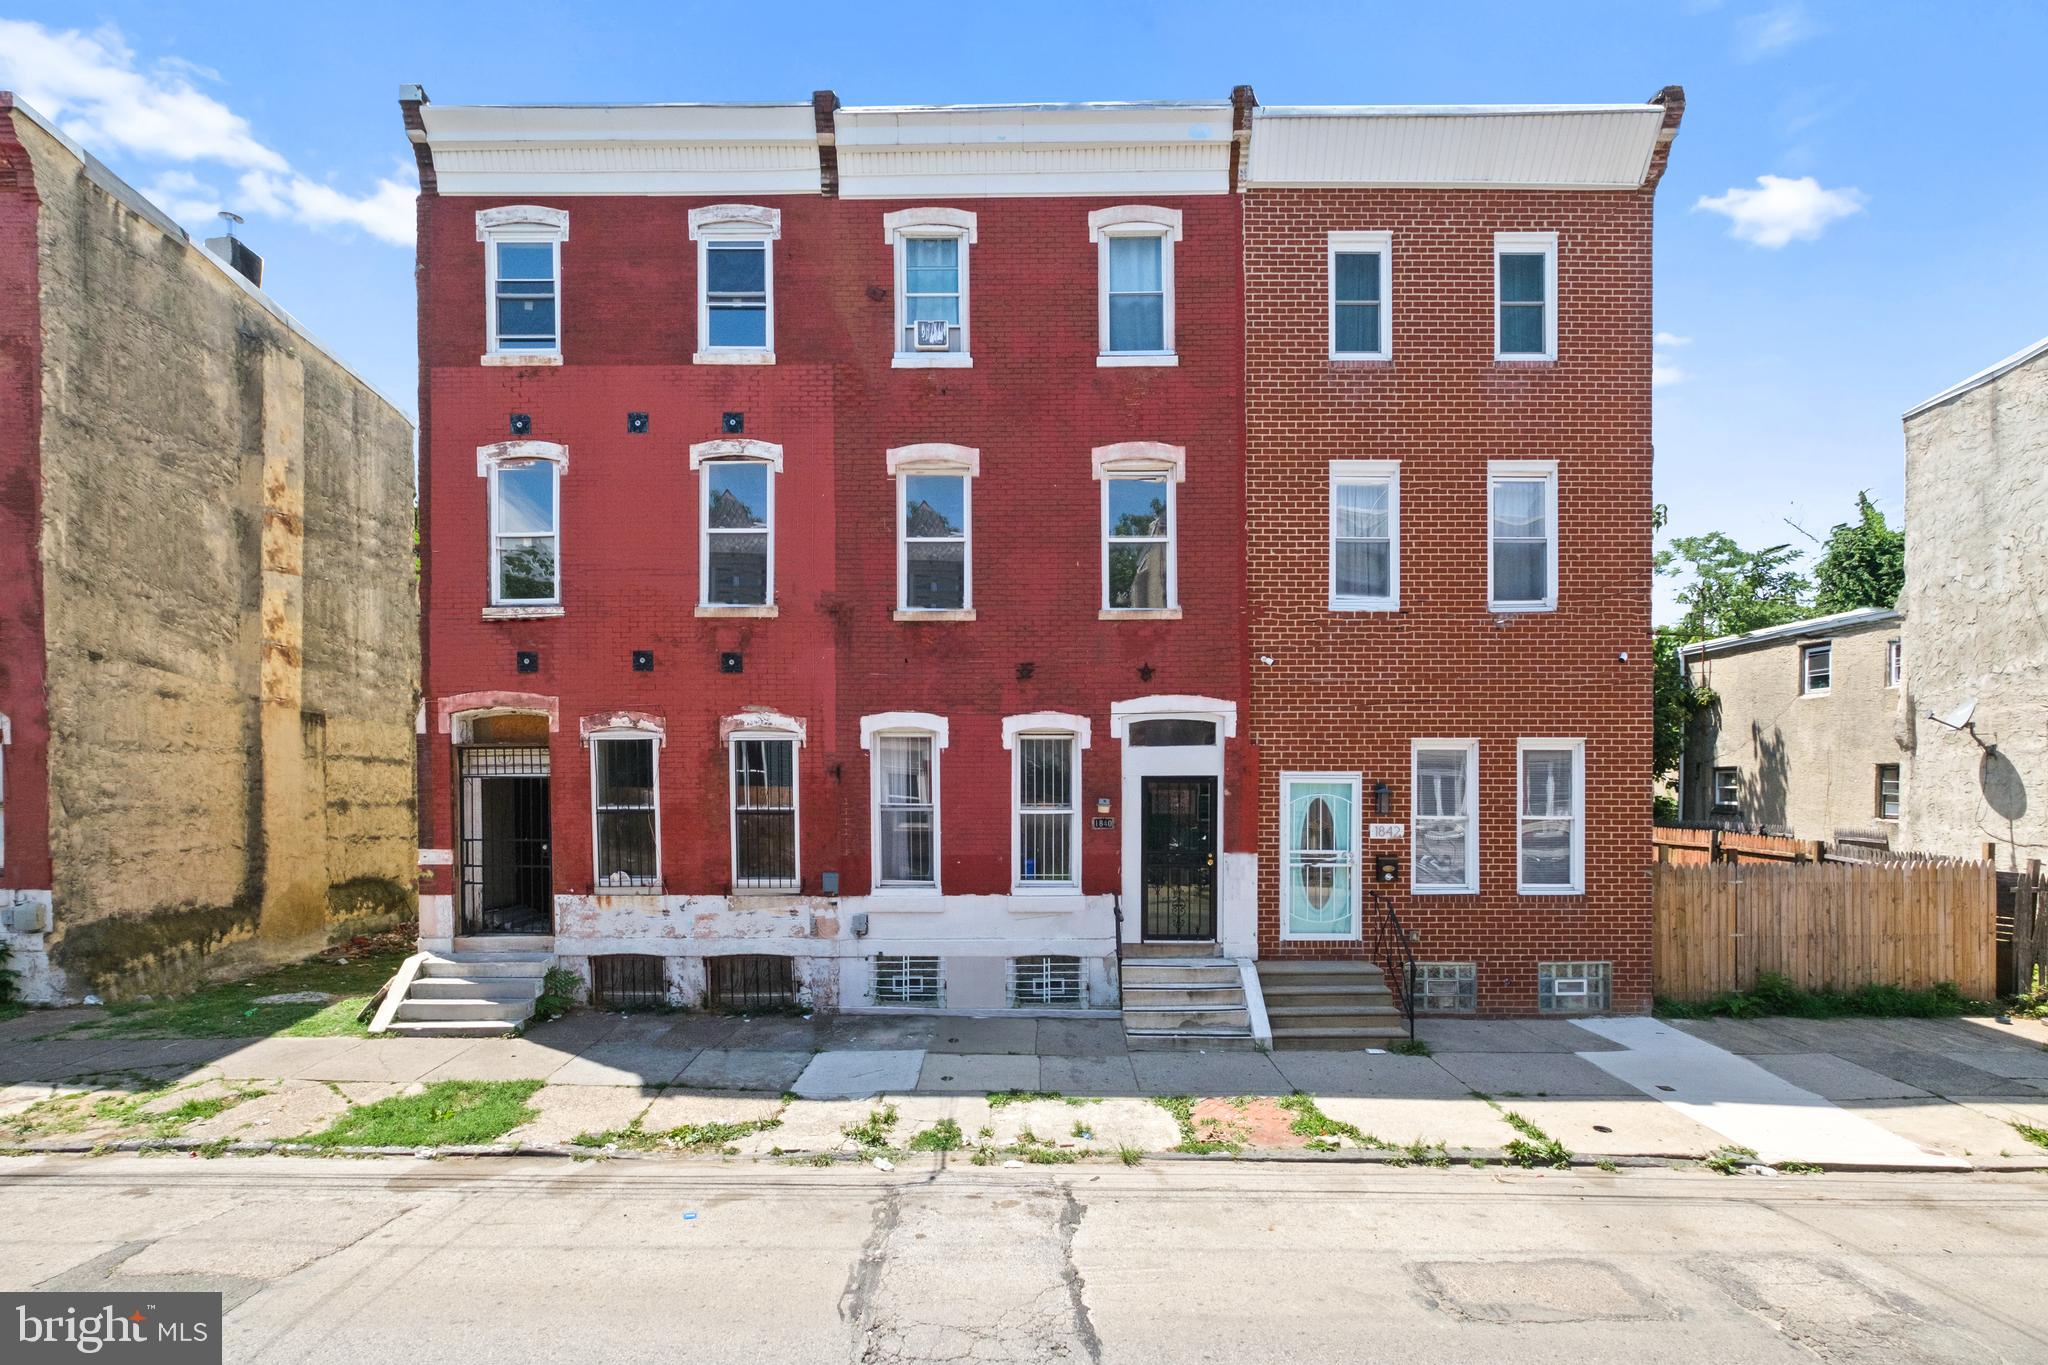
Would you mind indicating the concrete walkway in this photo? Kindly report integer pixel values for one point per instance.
(1938, 1092)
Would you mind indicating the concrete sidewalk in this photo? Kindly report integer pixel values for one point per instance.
(1952, 1090)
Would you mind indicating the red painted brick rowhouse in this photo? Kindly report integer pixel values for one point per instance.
(844, 583)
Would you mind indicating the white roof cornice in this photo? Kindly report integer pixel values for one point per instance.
(554, 149)
(1573, 146)
(1127, 150)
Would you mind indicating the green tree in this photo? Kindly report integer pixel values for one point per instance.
(1863, 563)
(1729, 590)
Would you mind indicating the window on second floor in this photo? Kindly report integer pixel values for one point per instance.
(931, 247)
(1525, 295)
(1365, 537)
(1135, 283)
(735, 282)
(934, 529)
(525, 532)
(1727, 789)
(1887, 791)
(1894, 663)
(1816, 669)
(1361, 322)
(1522, 528)
(737, 558)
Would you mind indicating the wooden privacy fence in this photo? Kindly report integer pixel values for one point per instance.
(2022, 928)
(1693, 847)
(1720, 926)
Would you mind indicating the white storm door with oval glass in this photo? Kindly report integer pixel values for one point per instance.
(1319, 855)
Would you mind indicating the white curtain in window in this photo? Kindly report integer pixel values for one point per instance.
(1443, 825)
(1549, 808)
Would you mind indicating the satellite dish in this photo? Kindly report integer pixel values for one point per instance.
(1958, 718)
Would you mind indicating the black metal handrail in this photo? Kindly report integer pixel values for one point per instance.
(1116, 908)
(1395, 956)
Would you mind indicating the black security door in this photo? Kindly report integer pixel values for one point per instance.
(507, 862)
(1178, 858)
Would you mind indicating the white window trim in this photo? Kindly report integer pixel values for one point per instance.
(1806, 687)
(1347, 243)
(1577, 886)
(1470, 885)
(1524, 243)
(934, 458)
(1389, 471)
(931, 222)
(939, 731)
(763, 453)
(520, 223)
(766, 725)
(1524, 469)
(591, 741)
(1141, 460)
(1894, 662)
(1357, 785)
(1043, 725)
(1135, 220)
(492, 459)
(1899, 770)
(734, 223)
(1714, 787)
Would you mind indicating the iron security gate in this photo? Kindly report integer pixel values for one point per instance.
(749, 981)
(507, 869)
(1178, 857)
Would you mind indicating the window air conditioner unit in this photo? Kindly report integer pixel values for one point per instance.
(932, 334)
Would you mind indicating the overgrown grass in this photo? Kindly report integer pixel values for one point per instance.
(1001, 1099)
(1534, 1147)
(229, 1010)
(1322, 1130)
(1129, 1155)
(445, 1114)
(558, 991)
(2037, 1136)
(689, 1137)
(874, 1132)
(1203, 1137)
(1775, 995)
(127, 1114)
(943, 1136)
(2031, 1003)
(1728, 1158)
(1410, 1047)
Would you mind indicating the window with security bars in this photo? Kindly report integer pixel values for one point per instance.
(1046, 810)
(1045, 982)
(1446, 987)
(749, 981)
(906, 816)
(523, 302)
(628, 981)
(1573, 987)
(764, 813)
(738, 534)
(623, 785)
(907, 981)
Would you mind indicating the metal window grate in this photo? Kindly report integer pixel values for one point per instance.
(749, 981)
(1045, 982)
(764, 814)
(628, 981)
(908, 981)
(1573, 987)
(1446, 988)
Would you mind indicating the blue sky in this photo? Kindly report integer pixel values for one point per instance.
(1852, 220)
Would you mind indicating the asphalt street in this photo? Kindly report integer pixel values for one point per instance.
(1171, 1261)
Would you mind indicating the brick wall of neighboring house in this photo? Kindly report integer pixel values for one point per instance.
(1035, 404)
(24, 782)
(1348, 692)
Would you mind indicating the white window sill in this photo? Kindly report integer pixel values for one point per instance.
(1360, 358)
(739, 613)
(1138, 614)
(1122, 360)
(924, 614)
(1551, 891)
(522, 358)
(1520, 608)
(538, 612)
(778, 897)
(1286, 937)
(1532, 359)
(1364, 604)
(1442, 890)
(931, 360)
(733, 358)
(1817, 692)
(636, 892)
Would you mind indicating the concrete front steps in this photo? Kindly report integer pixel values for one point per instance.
(1336, 1006)
(484, 988)
(1183, 996)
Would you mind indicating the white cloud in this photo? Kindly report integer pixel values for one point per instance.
(1782, 210)
(1772, 31)
(1663, 371)
(90, 84)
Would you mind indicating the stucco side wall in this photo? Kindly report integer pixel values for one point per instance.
(1977, 617)
(229, 610)
(1804, 764)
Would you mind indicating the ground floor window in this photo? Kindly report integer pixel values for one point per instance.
(1446, 987)
(1045, 982)
(623, 787)
(749, 981)
(1573, 987)
(628, 981)
(908, 981)
(764, 813)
